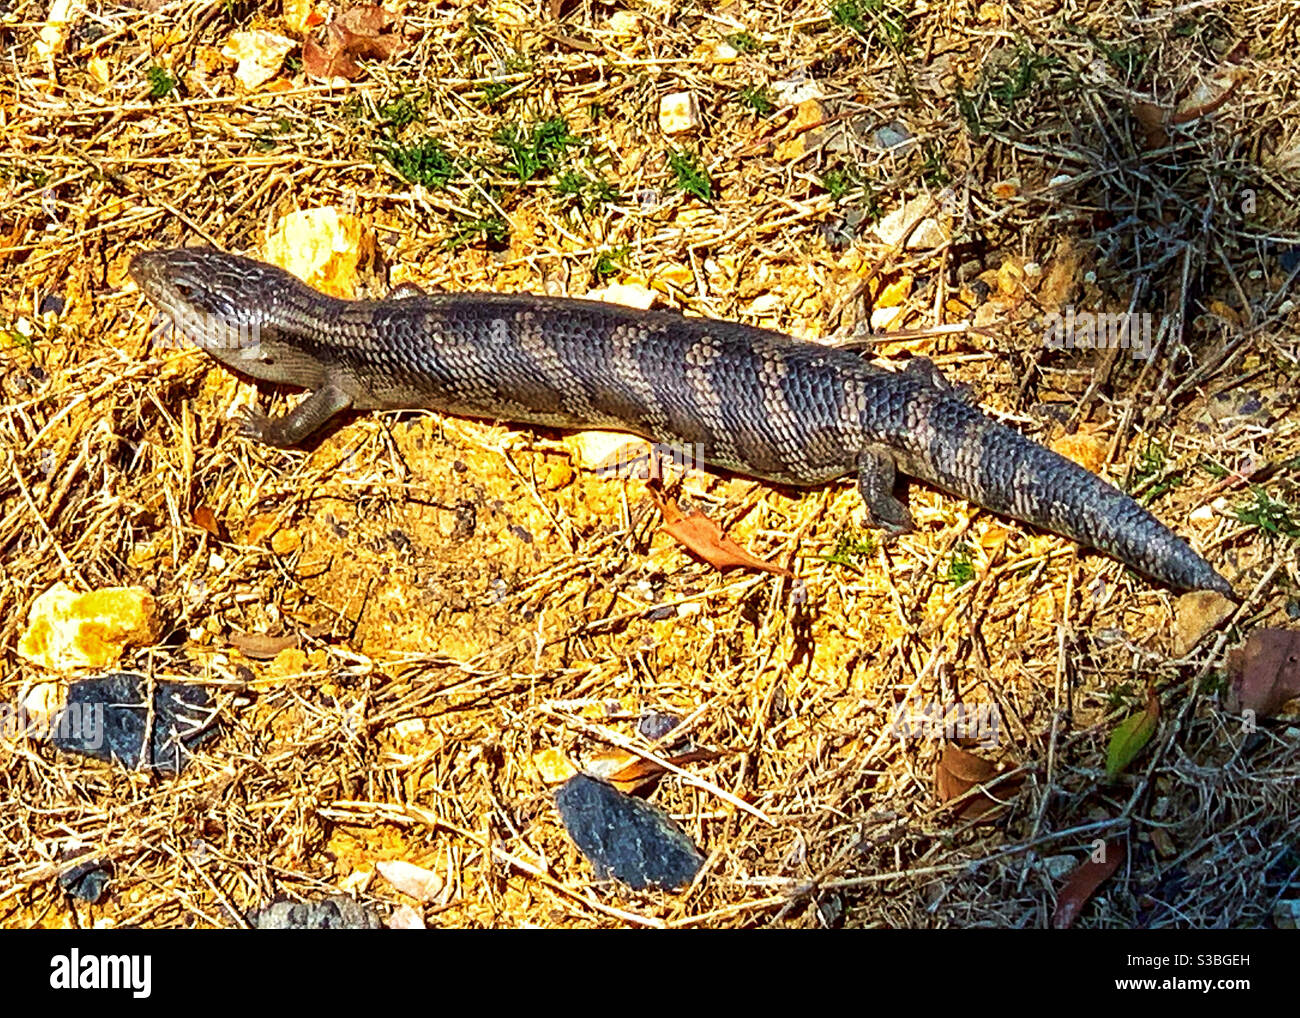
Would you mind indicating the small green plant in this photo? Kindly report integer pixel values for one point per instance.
(743, 42)
(851, 550)
(933, 170)
(1001, 86)
(1009, 85)
(756, 98)
(1127, 60)
(266, 139)
(534, 150)
(1151, 477)
(161, 83)
(1216, 470)
(872, 19)
(608, 263)
(1269, 514)
(691, 178)
(399, 111)
(960, 568)
(491, 229)
(837, 183)
(576, 188)
(424, 162)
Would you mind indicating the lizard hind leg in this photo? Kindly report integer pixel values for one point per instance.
(876, 485)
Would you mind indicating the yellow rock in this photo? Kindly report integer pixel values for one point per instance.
(289, 662)
(1089, 451)
(70, 630)
(286, 541)
(553, 766)
(679, 112)
(322, 247)
(894, 293)
(558, 474)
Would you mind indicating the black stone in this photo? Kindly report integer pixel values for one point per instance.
(625, 838)
(105, 718)
(88, 880)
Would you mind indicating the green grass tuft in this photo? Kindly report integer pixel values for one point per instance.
(534, 150)
(690, 177)
(161, 84)
(424, 162)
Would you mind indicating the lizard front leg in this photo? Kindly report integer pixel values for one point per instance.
(304, 419)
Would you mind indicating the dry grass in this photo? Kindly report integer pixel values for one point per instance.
(467, 602)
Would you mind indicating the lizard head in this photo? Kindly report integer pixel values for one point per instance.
(225, 304)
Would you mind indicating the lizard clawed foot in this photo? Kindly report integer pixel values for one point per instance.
(259, 427)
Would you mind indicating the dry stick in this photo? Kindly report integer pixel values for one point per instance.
(627, 745)
(433, 820)
(148, 196)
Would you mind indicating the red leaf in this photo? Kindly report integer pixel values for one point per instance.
(1083, 883)
(707, 539)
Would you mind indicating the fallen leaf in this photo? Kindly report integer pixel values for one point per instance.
(1130, 736)
(204, 517)
(958, 771)
(705, 538)
(361, 32)
(1152, 118)
(1265, 672)
(261, 646)
(1155, 119)
(1083, 883)
(260, 55)
(628, 772)
(327, 64)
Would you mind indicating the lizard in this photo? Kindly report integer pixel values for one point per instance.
(757, 402)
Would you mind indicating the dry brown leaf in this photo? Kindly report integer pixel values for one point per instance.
(262, 646)
(1265, 672)
(1155, 119)
(1083, 883)
(204, 517)
(358, 32)
(705, 538)
(958, 771)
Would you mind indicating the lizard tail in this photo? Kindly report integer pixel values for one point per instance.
(999, 468)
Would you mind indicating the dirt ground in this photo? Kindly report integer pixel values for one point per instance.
(467, 612)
